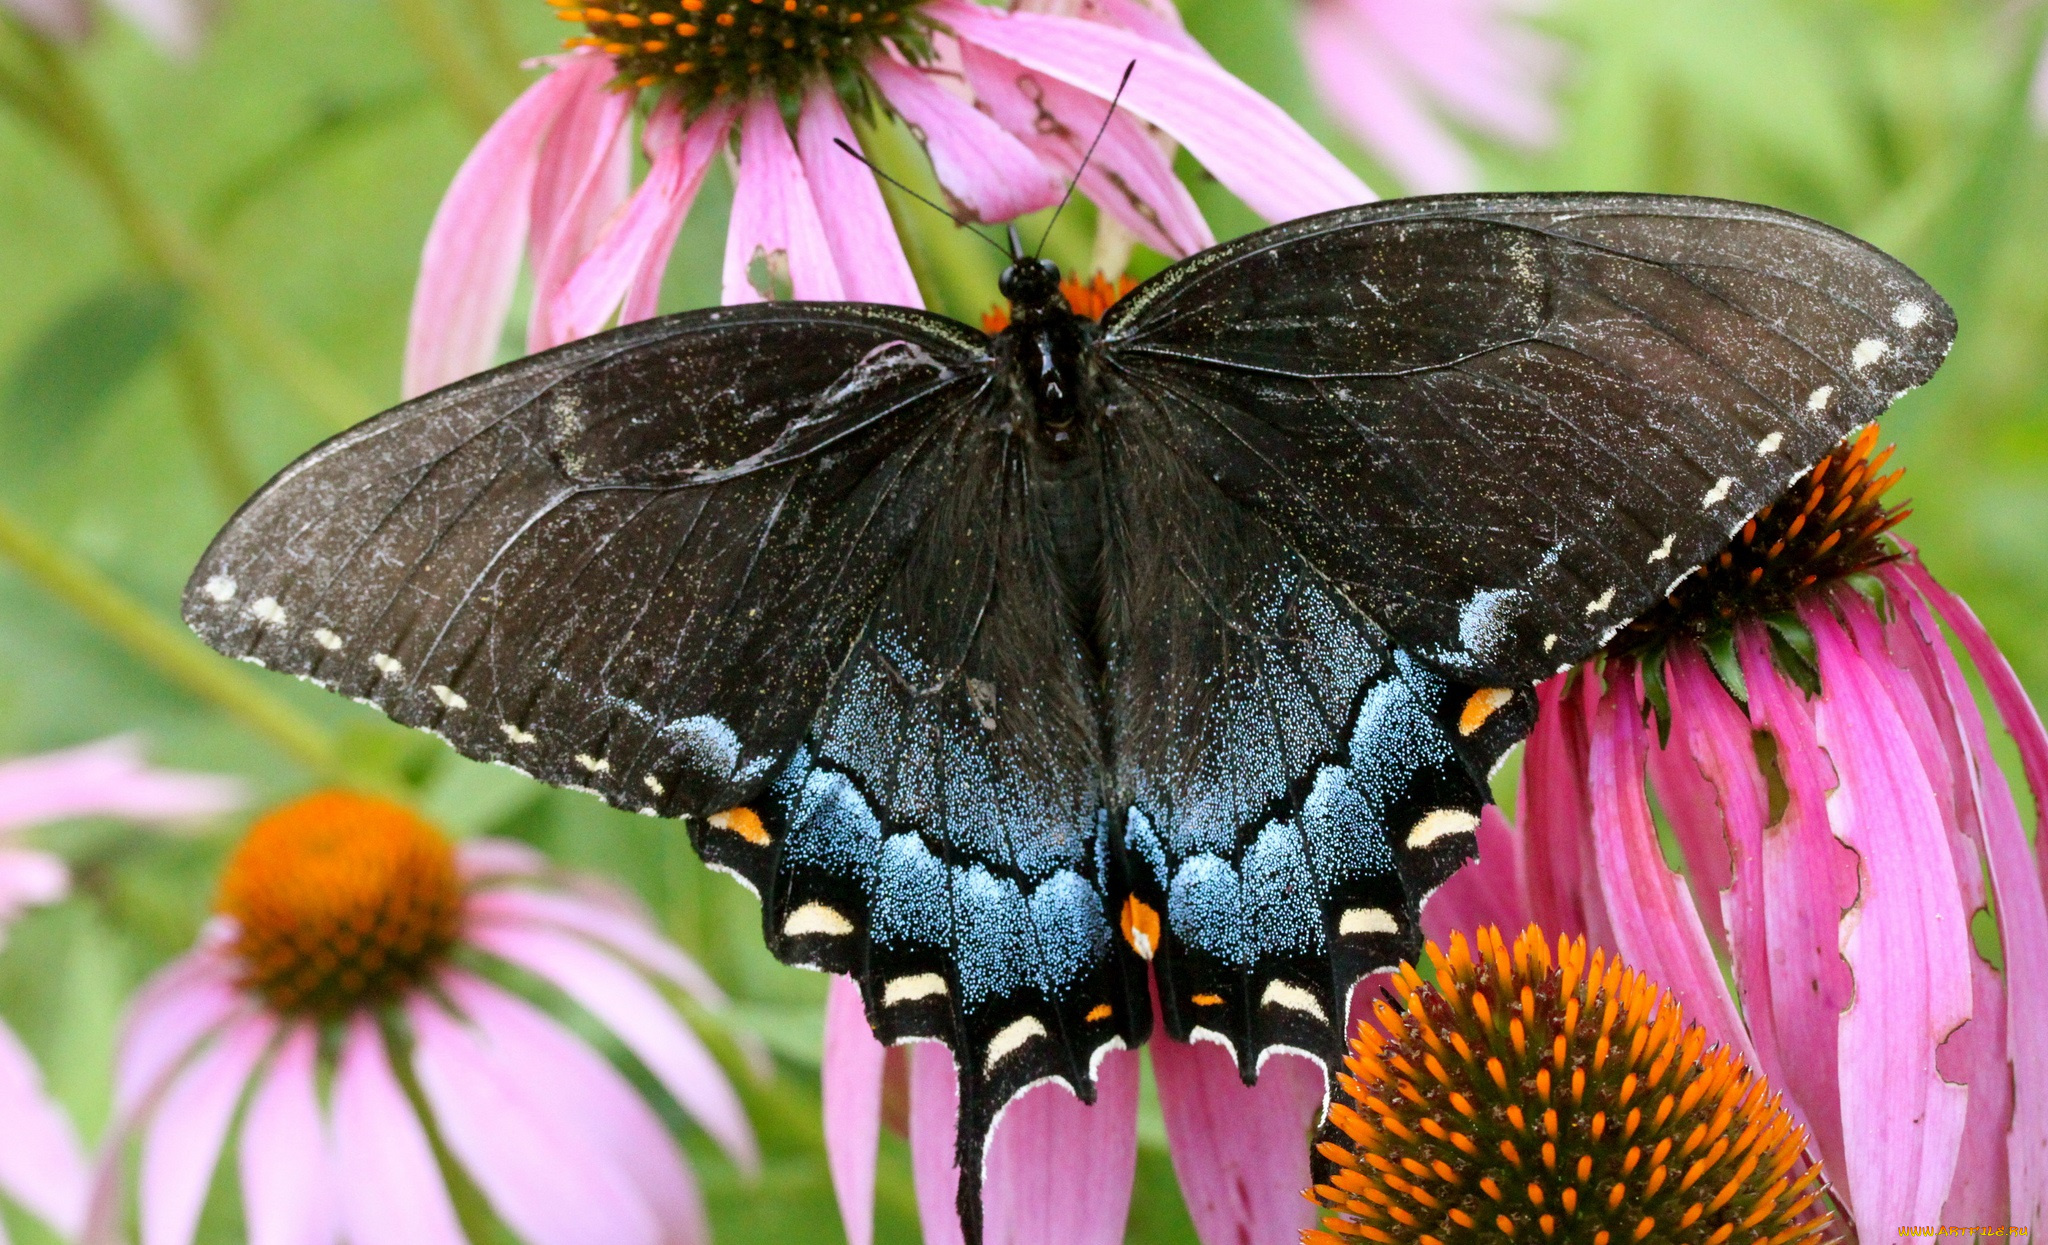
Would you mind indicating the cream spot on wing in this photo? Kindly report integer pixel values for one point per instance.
(653, 784)
(1549, 642)
(912, 988)
(1770, 444)
(1663, 551)
(1368, 921)
(266, 609)
(1867, 352)
(1600, 603)
(596, 765)
(1006, 1043)
(1719, 493)
(514, 734)
(1909, 315)
(1441, 823)
(816, 918)
(386, 663)
(647, 810)
(1292, 997)
(449, 696)
(220, 587)
(327, 639)
(1817, 401)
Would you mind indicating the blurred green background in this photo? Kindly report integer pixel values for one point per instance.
(171, 232)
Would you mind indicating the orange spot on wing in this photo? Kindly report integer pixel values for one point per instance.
(1480, 706)
(1206, 1000)
(742, 821)
(1101, 1011)
(1140, 922)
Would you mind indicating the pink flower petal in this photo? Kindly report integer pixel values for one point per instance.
(177, 27)
(491, 860)
(574, 1086)
(29, 879)
(545, 1182)
(1244, 139)
(1486, 892)
(1907, 943)
(1130, 177)
(471, 260)
(1656, 927)
(627, 261)
(988, 174)
(2021, 909)
(1367, 94)
(67, 21)
(389, 1180)
(641, 1018)
(775, 236)
(288, 1195)
(41, 1164)
(109, 778)
(851, 1079)
(187, 1130)
(622, 932)
(863, 238)
(1555, 812)
(1241, 1152)
(585, 161)
(1060, 1169)
(934, 1108)
(1157, 22)
(1469, 55)
(187, 1000)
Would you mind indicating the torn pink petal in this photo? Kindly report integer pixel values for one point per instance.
(641, 1019)
(545, 1183)
(471, 260)
(1241, 1152)
(1060, 1169)
(386, 1173)
(1254, 148)
(109, 778)
(625, 265)
(872, 266)
(1555, 814)
(1357, 83)
(851, 1078)
(1129, 177)
(618, 931)
(187, 1000)
(577, 1089)
(186, 1133)
(1906, 941)
(585, 165)
(42, 1166)
(989, 174)
(1487, 891)
(1656, 927)
(288, 1195)
(934, 1106)
(775, 246)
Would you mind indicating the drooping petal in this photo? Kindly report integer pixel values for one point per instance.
(2021, 910)
(471, 260)
(1809, 881)
(546, 1184)
(577, 1088)
(630, 937)
(187, 1130)
(775, 246)
(1906, 941)
(872, 266)
(1656, 927)
(390, 1183)
(585, 164)
(641, 1018)
(989, 174)
(851, 1080)
(1555, 812)
(187, 1000)
(1241, 1152)
(934, 1109)
(1357, 83)
(1060, 1169)
(1485, 70)
(287, 1170)
(1692, 803)
(109, 778)
(41, 1163)
(492, 860)
(1244, 139)
(1129, 177)
(626, 263)
(1486, 892)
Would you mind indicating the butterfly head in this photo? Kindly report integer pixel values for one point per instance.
(1033, 288)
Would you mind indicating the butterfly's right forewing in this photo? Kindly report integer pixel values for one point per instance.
(633, 564)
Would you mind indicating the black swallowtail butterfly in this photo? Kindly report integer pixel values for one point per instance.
(1011, 670)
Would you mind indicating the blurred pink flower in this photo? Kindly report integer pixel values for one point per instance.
(1836, 849)
(41, 1165)
(1058, 1170)
(1395, 72)
(1003, 102)
(345, 956)
(176, 27)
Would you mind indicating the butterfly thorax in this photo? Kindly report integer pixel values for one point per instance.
(1043, 347)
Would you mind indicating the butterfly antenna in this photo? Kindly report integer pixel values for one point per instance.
(846, 147)
(1086, 156)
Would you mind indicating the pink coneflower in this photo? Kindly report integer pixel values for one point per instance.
(1398, 73)
(356, 951)
(41, 1166)
(1003, 102)
(1830, 780)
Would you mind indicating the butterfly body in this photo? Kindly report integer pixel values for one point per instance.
(1019, 675)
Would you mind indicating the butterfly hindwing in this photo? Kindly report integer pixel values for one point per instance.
(630, 565)
(1506, 424)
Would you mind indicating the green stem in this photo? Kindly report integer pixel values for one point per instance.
(439, 42)
(159, 645)
(205, 414)
(66, 112)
